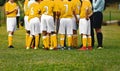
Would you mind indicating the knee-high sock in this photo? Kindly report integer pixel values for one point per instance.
(74, 40)
(48, 41)
(39, 40)
(10, 38)
(62, 38)
(69, 38)
(99, 39)
(92, 36)
(36, 40)
(84, 40)
(33, 42)
(45, 41)
(29, 41)
(53, 41)
(89, 41)
(27, 37)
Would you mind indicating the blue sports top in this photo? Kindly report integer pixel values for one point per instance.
(98, 5)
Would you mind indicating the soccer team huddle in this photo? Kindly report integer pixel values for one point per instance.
(50, 18)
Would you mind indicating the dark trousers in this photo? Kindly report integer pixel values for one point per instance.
(92, 31)
(96, 23)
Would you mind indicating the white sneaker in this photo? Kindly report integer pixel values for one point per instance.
(28, 48)
(62, 48)
(100, 48)
(58, 47)
(69, 48)
(51, 48)
(35, 48)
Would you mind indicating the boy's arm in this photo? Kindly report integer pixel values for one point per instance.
(77, 21)
(88, 13)
(9, 12)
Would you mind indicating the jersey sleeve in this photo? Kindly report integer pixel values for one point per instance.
(90, 8)
(6, 7)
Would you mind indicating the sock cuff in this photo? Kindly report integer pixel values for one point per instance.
(99, 33)
(75, 35)
(69, 35)
(53, 35)
(31, 36)
(62, 38)
(47, 35)
(36, 35)
(27, 34)
(89, 36)
(44, 37)
(10, 35)
(84, 36)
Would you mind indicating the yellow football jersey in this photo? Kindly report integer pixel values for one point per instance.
(67, 11)
(77, 6)
(26, 7)
(47, 7)
(10, 7)
(59, 5)
(34, 10)
(86, 5)
(56, 2)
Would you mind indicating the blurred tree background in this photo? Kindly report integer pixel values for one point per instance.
(107, 1)
(111, 1)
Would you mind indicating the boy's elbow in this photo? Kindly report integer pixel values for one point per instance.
(6, 13)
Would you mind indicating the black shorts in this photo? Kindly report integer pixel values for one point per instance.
(97, 19)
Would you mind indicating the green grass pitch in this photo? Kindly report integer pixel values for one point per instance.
(20, 59)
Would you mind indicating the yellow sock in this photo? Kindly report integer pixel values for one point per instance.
(75, 41)
(62, 37)
(84, 40)
(27, 37)
(51, 41)
(33, 42)
(54, 40)
(47, 41)
(89, 41)
(10, 38)
(69, 38)
(44, 41)
(29, 41)
(39, 40)
(36, 41)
